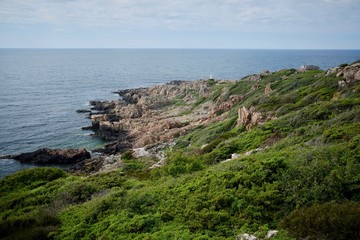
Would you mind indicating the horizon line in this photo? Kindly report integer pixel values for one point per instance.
(159, 48)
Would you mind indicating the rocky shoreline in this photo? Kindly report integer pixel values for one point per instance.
(147, 117)
(146, 121)
(51, 156)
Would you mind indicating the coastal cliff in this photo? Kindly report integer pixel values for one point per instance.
(273, 155)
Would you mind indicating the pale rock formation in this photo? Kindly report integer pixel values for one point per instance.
(349, 73)
(249, 117)
(271, 233)
(246, 236)
(150, 116)
(268, 89)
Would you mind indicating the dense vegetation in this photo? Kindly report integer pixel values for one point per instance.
(303, 179)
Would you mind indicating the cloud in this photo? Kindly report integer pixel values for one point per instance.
(196, 16)
(232, 15)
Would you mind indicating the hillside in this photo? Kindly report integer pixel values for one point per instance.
(270, 151)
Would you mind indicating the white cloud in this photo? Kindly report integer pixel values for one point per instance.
(182, 14)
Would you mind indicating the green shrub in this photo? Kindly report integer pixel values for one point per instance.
(77, 192)
(133, 165)
(180, 163)
(338, 221)
(341, 133)
(30, 178)
(211, 82)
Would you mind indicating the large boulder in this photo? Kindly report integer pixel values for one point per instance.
(53, 156)
(249, 117)
(349, 74)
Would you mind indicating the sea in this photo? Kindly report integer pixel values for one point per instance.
(41, 89)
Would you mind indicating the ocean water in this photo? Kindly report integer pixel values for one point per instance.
(41, 89)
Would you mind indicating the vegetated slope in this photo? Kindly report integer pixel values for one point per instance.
(294, 166)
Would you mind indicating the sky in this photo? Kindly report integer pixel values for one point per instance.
(239, 24)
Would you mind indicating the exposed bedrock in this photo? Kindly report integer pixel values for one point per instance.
(52, 156)
(147, 117)
(150, 116)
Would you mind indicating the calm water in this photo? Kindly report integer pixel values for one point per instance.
(40, 90)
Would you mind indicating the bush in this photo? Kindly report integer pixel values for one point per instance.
(179, 164)
(77, 192)
(325, 221)
(30, 178)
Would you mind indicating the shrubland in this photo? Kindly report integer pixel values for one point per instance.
(298, 172)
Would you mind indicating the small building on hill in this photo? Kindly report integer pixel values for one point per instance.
(308, 67)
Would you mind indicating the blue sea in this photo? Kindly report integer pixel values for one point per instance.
(41, 89)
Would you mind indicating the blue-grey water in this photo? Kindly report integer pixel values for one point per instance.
(41, 89)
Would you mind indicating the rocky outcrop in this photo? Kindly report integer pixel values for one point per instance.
(349, 73)
(223, 106)
(52, 156)
(249, 117)
(155, 115)
(271, 233)
(268, 89)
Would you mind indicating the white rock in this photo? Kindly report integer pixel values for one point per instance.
(271, 233)
(246, 236)
(140, 152)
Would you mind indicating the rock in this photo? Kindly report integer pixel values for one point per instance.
(342, 83)
(151, 116)
(267, 89)
(249, 117)
(256, 77)
(53, 156)
(265, 73)
(246, 236)
(349, 74)
(83, 111)
(271, 233)
(88, 128)
(352, 72)
(158, 164)
(255, 86)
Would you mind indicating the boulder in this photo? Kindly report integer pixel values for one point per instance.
(268, 89)
(83, 111)
(246, 236)
(271, 233)
(349, 74)
(53, 156)
(249, 117)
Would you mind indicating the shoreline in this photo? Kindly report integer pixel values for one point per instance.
(146, 121)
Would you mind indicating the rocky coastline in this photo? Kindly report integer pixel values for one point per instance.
(147, 117)
(147, 121)
(226, 159)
